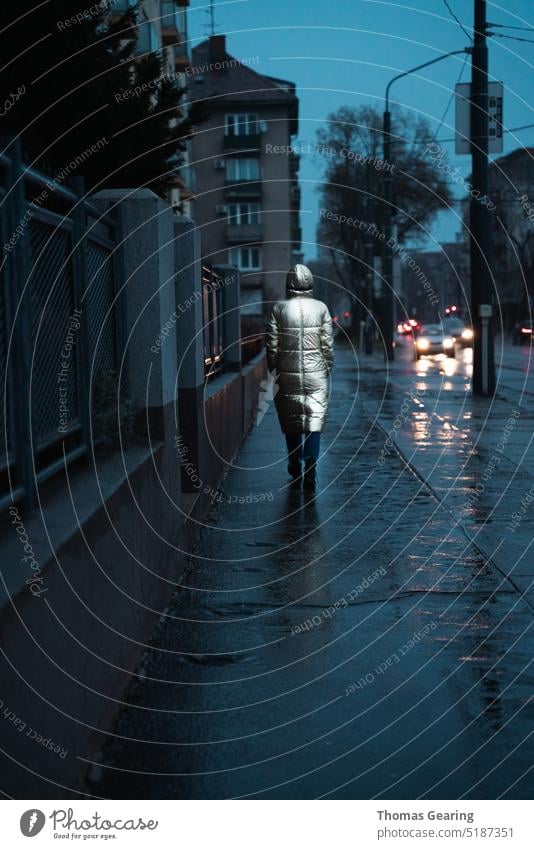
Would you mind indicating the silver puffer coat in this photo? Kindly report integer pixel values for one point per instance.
(300, 350)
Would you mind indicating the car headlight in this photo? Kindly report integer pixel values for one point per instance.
(448, 341)
(423, 344)
(467, 333)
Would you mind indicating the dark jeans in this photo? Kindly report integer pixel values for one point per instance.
(310, 450)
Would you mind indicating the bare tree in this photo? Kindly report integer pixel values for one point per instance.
(352, 210)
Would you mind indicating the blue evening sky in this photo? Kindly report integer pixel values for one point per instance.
(343, 52)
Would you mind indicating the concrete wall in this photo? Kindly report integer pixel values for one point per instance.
(230, 408)
(111, 535)
(254, 374)
(67, 655)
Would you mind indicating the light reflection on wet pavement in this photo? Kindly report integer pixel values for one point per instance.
(476, 454)
(356, 644)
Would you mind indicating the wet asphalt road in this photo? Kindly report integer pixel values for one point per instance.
(351, 645)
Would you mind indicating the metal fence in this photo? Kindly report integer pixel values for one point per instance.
(212, 312)
(252, 337)
(60, 322)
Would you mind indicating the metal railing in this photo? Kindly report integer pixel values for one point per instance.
(212, 309)
(252, 337)
(60, 324)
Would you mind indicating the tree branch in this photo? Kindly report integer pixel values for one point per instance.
(337, 268)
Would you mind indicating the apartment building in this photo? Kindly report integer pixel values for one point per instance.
(510, 188)
(161, 25)
(248, 199)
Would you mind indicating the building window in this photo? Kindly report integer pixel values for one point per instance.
(244, 213)
(242, 124)
(243, 169)
(148, 39)
(169, 14)
(246, 259)
(182, 23)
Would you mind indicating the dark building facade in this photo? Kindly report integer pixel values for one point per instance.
(248, 199)
(511, 179)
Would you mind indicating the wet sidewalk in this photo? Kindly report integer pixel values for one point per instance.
(476, 454)
(354, 644)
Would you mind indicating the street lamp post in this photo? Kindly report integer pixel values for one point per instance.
(481, 283)
(369, 264)
(388, 324)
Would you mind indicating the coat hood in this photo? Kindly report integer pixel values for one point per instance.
(299, 280)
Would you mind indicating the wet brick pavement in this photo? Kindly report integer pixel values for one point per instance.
(351, 645)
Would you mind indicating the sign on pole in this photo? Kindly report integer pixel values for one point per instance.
(463, 118)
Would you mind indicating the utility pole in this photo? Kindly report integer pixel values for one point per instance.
(480, 226)
(388, 301)
(369, 259)
(387, 271)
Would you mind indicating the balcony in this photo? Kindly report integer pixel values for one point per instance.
(244, 233)
(181, 57)
(170, 23)
(147, 41)
(242, 189)
(120, 7)
(244, 142)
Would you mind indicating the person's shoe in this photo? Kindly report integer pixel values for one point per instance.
(294, 467)
(310, 477)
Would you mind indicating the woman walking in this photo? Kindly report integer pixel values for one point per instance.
(300, 352)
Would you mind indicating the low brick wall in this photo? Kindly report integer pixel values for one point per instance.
(110, 554)
(67, 654)
(253, 376)
(224, 427)
(230, 408)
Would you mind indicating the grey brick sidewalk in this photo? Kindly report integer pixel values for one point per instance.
(352, 645)
(476, 454)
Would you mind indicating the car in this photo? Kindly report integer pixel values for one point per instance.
(522, 332)
(459, 330)
(411, 325)
(433, 339)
